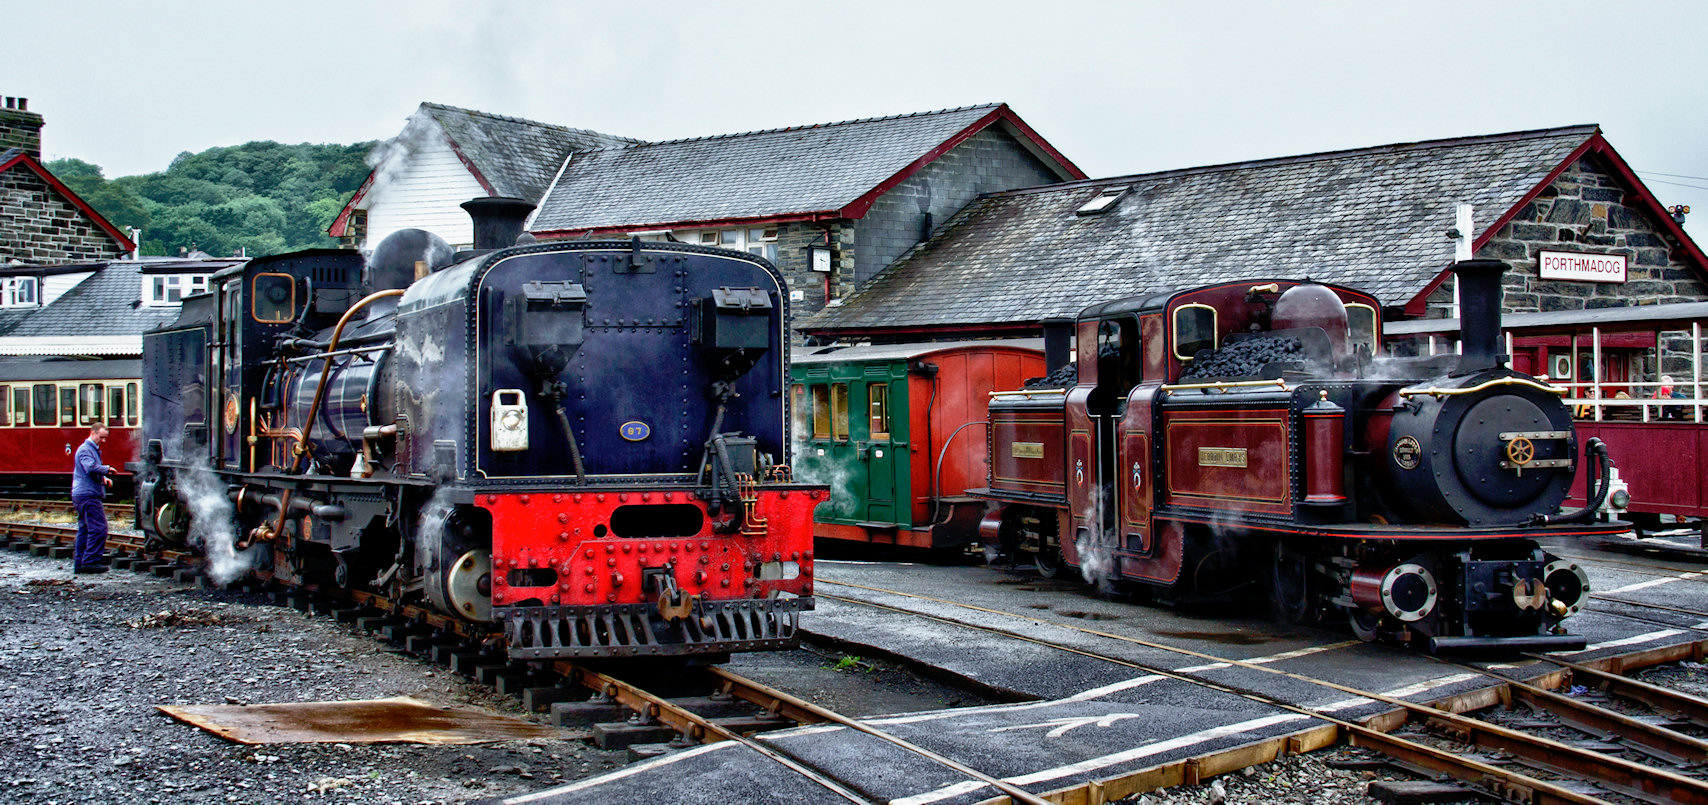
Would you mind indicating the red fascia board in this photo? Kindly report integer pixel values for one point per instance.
(59, 187)
(341, 225)
(711, 223)
(467, 163)
(858, 207)
(1596, 144)
(972, 329)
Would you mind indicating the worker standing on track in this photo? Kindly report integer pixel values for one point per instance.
(89, 481)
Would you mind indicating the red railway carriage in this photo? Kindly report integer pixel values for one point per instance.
(49, 405)
(1615, 363)
(1243, 440)
(899, 429)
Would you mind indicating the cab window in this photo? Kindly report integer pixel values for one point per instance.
(820, 412)
(89, 404)
(1361, 319)
(839, 411)
(275, 298)
(879, 410)
(1194, 330)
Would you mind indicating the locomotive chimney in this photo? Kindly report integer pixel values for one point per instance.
(498, 220)
(1058, 346)
(1480, 299)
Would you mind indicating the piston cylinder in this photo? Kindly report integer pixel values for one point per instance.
(1406, 591)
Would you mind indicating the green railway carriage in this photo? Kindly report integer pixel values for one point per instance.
(898, 431)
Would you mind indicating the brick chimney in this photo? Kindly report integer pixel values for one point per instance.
(20, 127)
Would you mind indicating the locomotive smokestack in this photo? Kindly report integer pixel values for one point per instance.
(1058, 343)
(1480, 299)
(498, 220)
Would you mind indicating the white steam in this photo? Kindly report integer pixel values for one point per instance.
(213, 525)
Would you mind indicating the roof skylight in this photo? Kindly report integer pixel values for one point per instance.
(1104, 199)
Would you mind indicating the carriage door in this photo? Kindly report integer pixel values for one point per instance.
(877, 452)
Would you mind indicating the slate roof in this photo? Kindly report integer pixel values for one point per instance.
(108, 303)
(517, 157)
(805, 169)
(1373, 219)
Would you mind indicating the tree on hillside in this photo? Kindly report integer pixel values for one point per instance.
(263, 197)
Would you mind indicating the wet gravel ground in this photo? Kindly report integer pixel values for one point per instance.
(1295, 780)
(85, 660)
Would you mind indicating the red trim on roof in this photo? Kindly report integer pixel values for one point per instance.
(858, 207)
(1598, 145)
(467, 163)
(341, 225)
(59, 187)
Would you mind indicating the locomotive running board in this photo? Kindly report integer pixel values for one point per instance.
(635, 630)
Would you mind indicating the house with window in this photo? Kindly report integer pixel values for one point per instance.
(41, 220)
(96, 310)
(830, 204)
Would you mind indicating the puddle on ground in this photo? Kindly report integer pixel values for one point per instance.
(1228, 638)
(1037, 606)
(1090, 616)
(395, 720)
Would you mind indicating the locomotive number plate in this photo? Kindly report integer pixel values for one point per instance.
(1221, 457)
(635, 430)
(1027, 449)
(1407, 453)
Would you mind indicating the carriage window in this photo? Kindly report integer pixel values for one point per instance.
(879, 414)
(116, 406)
(68, 406)
(1194, 329)
(1362, 320)
(89, 403)
(839, 411)
(820, 412)
(800, 416)
(5, 405)
(45, 404)
(275, 298)
(21, 406)
(131, 405)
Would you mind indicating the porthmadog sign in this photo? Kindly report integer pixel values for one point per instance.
(1579, 267)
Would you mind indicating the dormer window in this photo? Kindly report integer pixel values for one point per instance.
(19, 292)
(1104, 199)
(170, 289)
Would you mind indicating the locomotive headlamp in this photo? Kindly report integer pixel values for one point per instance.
(509, 420)
(1620, 499)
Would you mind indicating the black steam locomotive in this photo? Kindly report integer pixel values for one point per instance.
(1220, 441)
(580, 441)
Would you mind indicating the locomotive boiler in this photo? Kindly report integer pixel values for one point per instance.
(582, 443)
(1243, 439)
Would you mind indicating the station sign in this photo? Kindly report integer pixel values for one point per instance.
(1581, 267)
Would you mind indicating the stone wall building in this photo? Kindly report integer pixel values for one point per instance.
(41, 220)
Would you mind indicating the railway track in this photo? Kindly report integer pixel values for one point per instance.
(1418, 736)
(1505, 761)
(116, 512)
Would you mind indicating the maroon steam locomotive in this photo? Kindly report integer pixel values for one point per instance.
(1244, 438)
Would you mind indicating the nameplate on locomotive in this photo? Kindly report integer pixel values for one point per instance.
(1408, 453)
(1221, 457)
(1027, 449)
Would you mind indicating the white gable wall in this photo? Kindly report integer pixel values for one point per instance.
(424, 194)
(55, 286)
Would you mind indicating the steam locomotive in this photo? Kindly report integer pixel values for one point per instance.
(582, 442)
(1243, 439)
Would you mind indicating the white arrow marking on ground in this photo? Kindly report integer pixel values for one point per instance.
(1062, 725)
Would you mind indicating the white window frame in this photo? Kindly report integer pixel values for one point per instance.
(14, 294)
(158, 290)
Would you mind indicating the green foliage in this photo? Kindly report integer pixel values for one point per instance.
(263, 197)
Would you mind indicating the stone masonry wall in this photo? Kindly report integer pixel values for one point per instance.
(792, 243)
(987, 162)
(21, 129)
(37, 225)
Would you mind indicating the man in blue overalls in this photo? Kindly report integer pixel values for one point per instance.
(89, 481)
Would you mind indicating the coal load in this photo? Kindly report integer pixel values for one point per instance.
(1065, 377)
(1244, 358)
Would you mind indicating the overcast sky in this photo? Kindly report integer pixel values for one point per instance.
(1117, 87)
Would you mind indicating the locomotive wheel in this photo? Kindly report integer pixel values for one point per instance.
(1289, 585)
(1366, 626)
(172, 522)
(1049, 561)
